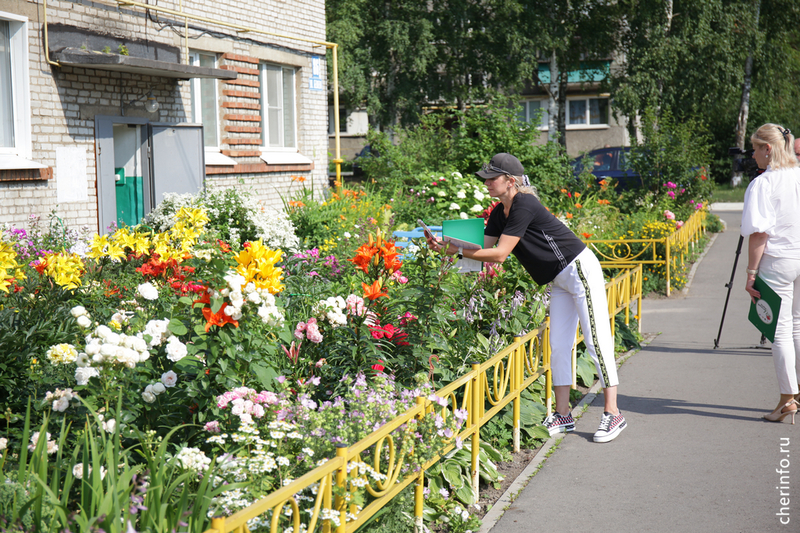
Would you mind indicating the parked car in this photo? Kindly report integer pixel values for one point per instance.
(610, 162)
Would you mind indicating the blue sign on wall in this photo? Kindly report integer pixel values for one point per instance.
(316, 83)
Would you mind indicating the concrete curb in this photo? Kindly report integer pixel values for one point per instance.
(690, 277)
(494, 514)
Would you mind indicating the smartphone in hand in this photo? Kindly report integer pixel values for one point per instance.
(425, 229)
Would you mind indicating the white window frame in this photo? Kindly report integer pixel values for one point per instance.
(344, 123)
(543, 104)
(587, 126)
(265, 107)
(19, 155)
(197, 93)
(213, 155)
(280, 155)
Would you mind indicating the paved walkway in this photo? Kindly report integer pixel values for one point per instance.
(696, 456)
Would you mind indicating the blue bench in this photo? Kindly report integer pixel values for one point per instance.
(416, 233)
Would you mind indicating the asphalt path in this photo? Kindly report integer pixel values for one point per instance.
(696, 455)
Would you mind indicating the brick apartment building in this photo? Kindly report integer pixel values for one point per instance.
(106, 105)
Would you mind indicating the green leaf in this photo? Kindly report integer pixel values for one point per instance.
(177, 327)
(465, 494)
(453, 475)
(266, 375)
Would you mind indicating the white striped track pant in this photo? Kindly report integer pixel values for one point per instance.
(578, 294)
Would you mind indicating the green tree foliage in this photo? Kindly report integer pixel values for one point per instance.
(435, 146)
(776, 66)
(396, 57)
(575, 33)
(689, 57)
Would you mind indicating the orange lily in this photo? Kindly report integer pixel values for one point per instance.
(390, 261)
(363, 256)
(219, 318)
(374, 291)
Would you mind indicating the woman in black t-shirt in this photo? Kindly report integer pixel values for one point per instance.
(551, 253)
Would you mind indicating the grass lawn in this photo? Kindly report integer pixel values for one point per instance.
(723, 192)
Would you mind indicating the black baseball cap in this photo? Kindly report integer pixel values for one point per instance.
(500, 164)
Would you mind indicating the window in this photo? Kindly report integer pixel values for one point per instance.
(15, 105)
(587, 112)
(529, 110)
(343, 118)
(278, 107)
(205, 103)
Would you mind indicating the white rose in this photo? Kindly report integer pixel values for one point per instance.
(61, 404)
(454, 207)
(108, 350)
(176, 350)
(82, 360)
(103, 331)
(113, 338)
(83, 374)
(169, 379)
(148, 291)
(93, 347)
(84, 321)
(3, 444)
(463, 215)
(267, 298)
(77, 470)
(138, 344)
(158, 388)
(77, 311)
(235, 281)
(148, 397)
(110, 425)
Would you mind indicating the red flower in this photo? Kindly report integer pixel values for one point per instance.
(488, 211)
(378, 367)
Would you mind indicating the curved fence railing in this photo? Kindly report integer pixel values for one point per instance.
(669, 251)
(483, 393)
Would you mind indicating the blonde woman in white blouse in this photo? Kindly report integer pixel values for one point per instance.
(771, 220)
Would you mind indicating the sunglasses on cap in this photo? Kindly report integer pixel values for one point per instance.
(488, 167)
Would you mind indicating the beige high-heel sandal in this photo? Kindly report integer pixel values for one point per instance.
(779, 414)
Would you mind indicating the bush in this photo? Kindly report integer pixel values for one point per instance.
(234, 216)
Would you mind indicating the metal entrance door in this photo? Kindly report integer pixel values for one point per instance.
(138, 162)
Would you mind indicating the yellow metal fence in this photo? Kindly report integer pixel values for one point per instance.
(625, 253)
(483, 393)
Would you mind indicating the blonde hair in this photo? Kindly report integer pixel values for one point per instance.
(781, 141)
(524, 189)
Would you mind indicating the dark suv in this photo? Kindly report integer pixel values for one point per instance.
(608, 163)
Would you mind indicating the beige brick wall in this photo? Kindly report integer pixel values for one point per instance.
(65, 100)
